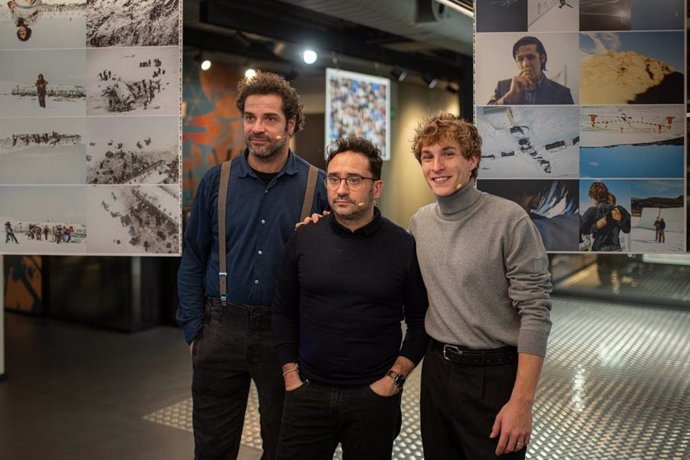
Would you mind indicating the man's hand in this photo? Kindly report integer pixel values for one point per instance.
(291, 377)
(514, 425)
(384, 387)
(616, 214)
(520, 83)
(314, 218)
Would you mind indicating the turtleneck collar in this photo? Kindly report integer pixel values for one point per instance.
(460, 200)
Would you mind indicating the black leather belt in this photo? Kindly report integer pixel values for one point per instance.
(461, 355)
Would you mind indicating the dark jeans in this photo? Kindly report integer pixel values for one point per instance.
(317, 417)
(235, 345)
(459, 404)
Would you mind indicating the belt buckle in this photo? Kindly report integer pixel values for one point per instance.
(452, 348)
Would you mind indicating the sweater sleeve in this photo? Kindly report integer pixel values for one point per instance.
(416, 304)
(285, 308)
(529, 284)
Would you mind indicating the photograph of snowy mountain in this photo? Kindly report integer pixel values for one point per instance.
(632, 68)
(640, 141)
(551, 204)
(494, 61)
(133, 81)
(42, 151)
(43, 220)
(50, 24)
(658, 222)
(134, 219)
(62, 83)
(529, 141)
(133, 151)
(130, 23)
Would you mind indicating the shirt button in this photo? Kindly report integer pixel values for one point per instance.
(256, 281)
(263, 221)
(260, 252)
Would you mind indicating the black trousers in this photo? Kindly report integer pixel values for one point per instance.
(459, 404)
(317, 417)
(235, 346)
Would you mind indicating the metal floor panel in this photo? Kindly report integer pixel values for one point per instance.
(615, 385)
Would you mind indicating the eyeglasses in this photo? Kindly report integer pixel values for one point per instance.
(353, 182)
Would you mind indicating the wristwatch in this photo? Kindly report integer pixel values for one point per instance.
(398, 379)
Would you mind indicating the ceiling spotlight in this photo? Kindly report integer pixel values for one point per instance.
(309, 56)
(249, 73)
(398, 73)
(430, 81)
(205, 65)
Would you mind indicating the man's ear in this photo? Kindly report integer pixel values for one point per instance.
(291, 126)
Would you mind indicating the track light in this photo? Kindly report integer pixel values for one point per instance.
(249, 73)
(453, 87)
(398, 73)
(309, 56)
(206, 64)
(430, 81)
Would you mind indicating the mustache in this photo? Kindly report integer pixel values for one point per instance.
(259, 138)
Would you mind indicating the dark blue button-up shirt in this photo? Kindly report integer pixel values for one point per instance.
(260, 219)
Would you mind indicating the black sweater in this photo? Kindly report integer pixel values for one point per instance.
(340, 298)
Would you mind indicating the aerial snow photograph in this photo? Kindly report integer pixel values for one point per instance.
(658, 222)
(614, 235)
(501, 16)
(139, 219)
(494, 61)
(133, 81)
(43, 220)
(42, 83)
(551, 204)
(633, 141)
(632, 68)
(529, 141)
(133, 150)
(128, 23)
(553, 15)
(47, 24)
(42, 151)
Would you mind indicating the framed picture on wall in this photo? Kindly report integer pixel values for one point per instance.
(358, 105)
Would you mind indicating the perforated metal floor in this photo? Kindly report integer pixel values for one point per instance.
(615, 385)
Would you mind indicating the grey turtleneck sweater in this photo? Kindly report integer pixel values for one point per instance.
(486, 272)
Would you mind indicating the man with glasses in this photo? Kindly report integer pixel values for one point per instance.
(530, 85)
(343, 288)
(243, 213)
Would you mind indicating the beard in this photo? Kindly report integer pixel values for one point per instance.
(269, 150)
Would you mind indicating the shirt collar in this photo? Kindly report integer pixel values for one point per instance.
(460, 200)
(290, 167)
(366, 231)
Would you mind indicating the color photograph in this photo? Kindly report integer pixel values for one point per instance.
(133, 81)
(43, 220)
(553, 15)
(632, 68)
(551, 204)
(42, 83)
(126, 23)
(526, 69)
(42, 24)
(529, 142)
(605, 218)
(42, 151)
(134, 220)
(501, 15)
(133, 151)
(658, 223)
(632, 141)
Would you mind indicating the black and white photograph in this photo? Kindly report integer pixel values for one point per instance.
(632, 68)
(358, 105)
(133, 81)
(658, 223)
(43, 220)
(632, 15)
(127, 23)
(133, 151)
(529, 142)
(501, 15)
(553, 15)
(42, 24)
(42, 151)
(552, 205)
(527, 69)
(632, 141)
(42, 83)
(136, 220)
